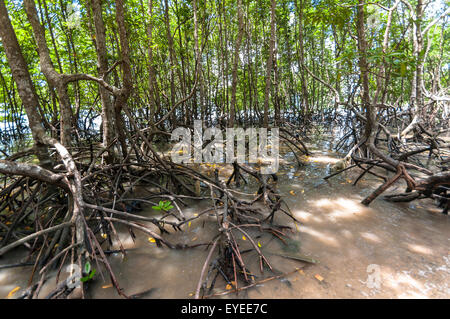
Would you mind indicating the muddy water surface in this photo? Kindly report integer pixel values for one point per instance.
(385, 251)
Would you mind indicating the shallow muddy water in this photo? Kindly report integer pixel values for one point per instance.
(404, 248)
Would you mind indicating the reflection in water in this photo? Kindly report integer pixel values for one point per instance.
(323, 159)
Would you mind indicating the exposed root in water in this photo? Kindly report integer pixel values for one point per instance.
(425, 176)
(68, 213)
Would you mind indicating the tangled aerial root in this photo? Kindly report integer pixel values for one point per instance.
(70, 213)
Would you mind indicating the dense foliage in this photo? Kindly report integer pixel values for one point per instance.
(329, 50)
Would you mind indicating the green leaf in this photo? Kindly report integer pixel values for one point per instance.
(87, 267)
(84, 279)
(91, 275)
(156, 207)
(403, 69)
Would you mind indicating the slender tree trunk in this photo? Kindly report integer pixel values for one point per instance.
(152, 85)
(102, 64)
(25, 87)
(269, 65)
(222, 60)
(364, 72)
(276, 87)
(416, 98)
(125, 91)
(30, 101)
(237, 47)
(305, 102)
(54, 78)
(198, 60)
(171, 58)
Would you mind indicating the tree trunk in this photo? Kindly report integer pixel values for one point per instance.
(102, 64)
(269, 64)
(171, 58)
(54, 78)
(30, 101)
(364, 72)
(237, 47)
(301, 58)
(25, 87)
(152, 85)
(125, 91)
(416, 99)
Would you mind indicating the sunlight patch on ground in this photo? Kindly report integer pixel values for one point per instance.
(306, 217)
(405, 285)
(420, 249)
(326, 239)
(371, 237)
(3, 276)
(446, 266)
(347, 234)
(340, 207)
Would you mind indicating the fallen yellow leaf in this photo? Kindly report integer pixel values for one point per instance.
(107, 286)
(152, 240)
(104, 236)
(189, 224)
(194, 239)
(318, 277)
(259, 244)
(12, 292)
(244, 238)
(292, 192)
